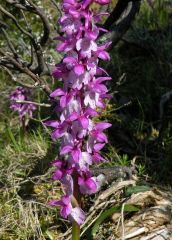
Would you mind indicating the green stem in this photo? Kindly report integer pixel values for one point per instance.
(23, 125)
(75, 231)
(76, 202)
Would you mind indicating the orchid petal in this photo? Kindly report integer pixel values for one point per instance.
(73, 116)
(84, 122)
(78, 215)
(104, 55)
(65, 149)
(65, 211)
(63, 101)
(57, 175)
(67, 182)
(53, 203)
(57, 133)
(51, 123)
(98, 146)
(91, 112)
(79, 69)
(57, 92)
(76, 152)
(103, 125)
(70, 60)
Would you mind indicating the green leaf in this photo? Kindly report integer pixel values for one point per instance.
(107, 213)
(50, 235)
(136, 189)
(20, 173)
(12, 138)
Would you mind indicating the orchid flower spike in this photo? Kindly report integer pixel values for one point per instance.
(79, 100)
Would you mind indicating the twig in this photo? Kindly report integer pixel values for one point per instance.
(8, 59)
(10, 43)
(119, 21)
(106, 203)
(122, 222)
(45, 22)
(136, 233)
(65, 234)
(35, 103)
(16, 4)
(103, 197)
(16, 22)
(17, 81)
(114, 188)
(120, 107)
(118, 223)
(116, 13)
(57, 6)
(41, 67)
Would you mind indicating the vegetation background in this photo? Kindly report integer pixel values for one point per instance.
(141, 68)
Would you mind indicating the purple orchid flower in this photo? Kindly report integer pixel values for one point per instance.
(65, 203)
(23, 109)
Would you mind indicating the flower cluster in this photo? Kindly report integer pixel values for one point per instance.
(81, 98)
(23, 109)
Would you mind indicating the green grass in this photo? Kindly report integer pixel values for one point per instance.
(25, 176)
(23, 210)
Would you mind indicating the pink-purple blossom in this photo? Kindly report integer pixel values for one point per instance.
(17, 97)
(80, 99)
